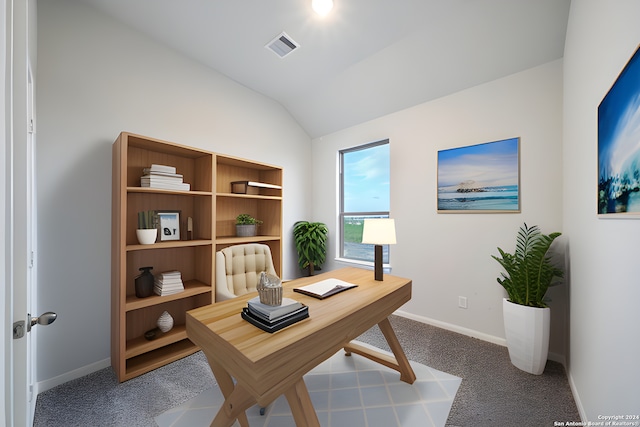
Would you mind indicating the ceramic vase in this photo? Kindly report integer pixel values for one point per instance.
(146, 236)
(144, 283)
(165, 322)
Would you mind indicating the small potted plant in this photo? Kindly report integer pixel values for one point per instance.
(246, 225)
(529, 273)
(311, 244)
(147, 231)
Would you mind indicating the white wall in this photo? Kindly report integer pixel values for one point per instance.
(605, 317)
(95, 79)
(449, 255)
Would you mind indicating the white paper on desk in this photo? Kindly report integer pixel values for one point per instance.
(326, 287)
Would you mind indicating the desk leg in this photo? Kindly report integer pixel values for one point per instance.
(301, 407)
(406, 371)
(400, 363)
(237, 399)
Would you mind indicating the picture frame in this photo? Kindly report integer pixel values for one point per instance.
(481, 178)
(168, 225)
(618, 193)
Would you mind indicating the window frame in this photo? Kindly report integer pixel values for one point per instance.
(341, 212)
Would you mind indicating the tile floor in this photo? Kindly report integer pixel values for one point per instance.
(351, 391)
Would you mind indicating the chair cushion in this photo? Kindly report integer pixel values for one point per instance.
(243, 265)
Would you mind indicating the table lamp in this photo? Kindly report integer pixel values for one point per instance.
(379, 231)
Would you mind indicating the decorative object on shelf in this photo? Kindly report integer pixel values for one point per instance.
(242, 187)
(379, 231)
(189, 228)
(529, 273)
(163, 177)
(144, 283)
(168, 283)
(270, 289)
(147, 236)
(311, 244)
(147, 232)
(618, 153)
(498, 191)
(165, 322)
(169, 225)
(246, 225)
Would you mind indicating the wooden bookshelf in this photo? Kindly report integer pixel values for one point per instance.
(131, 353)
(260, 201)
(213, 207)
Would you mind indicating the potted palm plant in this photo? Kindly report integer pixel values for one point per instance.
(311, 244)
(528, 274)
(246, 225)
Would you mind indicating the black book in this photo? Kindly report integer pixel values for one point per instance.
(278, 324)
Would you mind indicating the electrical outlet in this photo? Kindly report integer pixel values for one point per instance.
(462, 302)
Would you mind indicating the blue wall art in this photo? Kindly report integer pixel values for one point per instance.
(619, 144)
(480, 178)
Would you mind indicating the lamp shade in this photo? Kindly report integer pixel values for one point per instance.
(379, 231)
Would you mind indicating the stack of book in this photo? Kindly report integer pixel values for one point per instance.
(168, 283)
(163, 177)
(272, 318)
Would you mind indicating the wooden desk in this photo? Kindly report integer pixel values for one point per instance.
(267, 365)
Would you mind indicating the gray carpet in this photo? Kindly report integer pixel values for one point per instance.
(493, 392)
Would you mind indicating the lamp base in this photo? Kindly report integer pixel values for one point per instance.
(377, 264)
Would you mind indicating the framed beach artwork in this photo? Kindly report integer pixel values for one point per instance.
(482, 178)
(619, 144)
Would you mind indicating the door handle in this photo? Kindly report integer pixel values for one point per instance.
(44, 319)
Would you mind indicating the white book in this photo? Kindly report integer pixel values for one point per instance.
(160, 178)
(169, 275)
(163, 292)
(325, 288)
(263, 185)
(148, 171)
(166, 185)
(162, 168)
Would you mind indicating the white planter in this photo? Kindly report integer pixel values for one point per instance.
(527, 333)
(147, 236)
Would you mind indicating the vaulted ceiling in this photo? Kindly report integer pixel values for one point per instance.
(366, 59)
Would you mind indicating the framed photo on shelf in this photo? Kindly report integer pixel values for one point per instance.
(169, 225)
(618, 148)
(481, 178)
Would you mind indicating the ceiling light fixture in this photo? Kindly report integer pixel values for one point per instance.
(322, 7)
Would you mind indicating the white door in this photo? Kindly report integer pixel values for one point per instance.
(19, 215)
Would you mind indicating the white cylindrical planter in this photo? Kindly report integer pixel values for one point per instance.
(147, 236)
(527, 332)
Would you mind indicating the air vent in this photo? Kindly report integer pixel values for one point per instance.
(282, 45)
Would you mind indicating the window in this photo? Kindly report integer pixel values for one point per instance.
(364, 193)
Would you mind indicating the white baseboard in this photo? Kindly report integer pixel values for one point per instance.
(470, 333)
(576, 398)
(453, 328)
(45, 385)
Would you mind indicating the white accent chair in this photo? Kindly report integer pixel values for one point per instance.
(238, 269)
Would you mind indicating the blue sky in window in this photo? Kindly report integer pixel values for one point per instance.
(366, 179)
